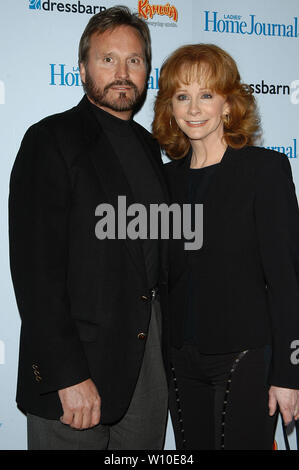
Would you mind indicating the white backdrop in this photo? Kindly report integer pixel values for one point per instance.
(39, 76)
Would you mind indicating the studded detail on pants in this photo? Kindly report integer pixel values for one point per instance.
(220, 401)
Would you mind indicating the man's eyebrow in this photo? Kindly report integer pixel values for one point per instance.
(133, 54)
(137, 54)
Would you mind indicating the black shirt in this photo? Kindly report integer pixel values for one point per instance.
(199, 181)
(141, 176)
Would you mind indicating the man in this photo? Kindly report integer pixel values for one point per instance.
(90, 351)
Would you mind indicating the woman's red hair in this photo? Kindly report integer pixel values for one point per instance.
(210, 64)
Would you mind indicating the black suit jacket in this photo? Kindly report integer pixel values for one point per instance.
(82, 301)
(247, 272)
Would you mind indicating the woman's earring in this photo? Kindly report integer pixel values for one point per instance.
(226, 120)
(170, 119)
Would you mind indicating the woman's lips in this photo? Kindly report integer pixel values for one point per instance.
(196, 123)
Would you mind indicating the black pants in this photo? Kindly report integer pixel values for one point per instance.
(220, 401)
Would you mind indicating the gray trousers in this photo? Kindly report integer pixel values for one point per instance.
(142, 427)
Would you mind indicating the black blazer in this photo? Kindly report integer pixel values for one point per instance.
(82, 301)
(247, 271)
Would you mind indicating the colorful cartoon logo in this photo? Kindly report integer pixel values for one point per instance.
(146, 10)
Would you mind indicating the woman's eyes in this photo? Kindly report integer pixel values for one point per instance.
(205, 96)
(182, 97)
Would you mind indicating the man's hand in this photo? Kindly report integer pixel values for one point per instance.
(287, 400)
(81, 405)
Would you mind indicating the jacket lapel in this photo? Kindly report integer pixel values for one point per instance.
(218, 184)
(219, 189)
(152, 148)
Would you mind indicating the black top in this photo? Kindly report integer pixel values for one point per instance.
(140, 174)
(248, 266)
(199, 181)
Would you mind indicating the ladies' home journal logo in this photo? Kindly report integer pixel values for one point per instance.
(236, 24)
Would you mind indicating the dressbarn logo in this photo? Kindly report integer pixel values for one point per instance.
(264, 88)
(146, 10)
(269, 88)
(252, 26)
(61, 7)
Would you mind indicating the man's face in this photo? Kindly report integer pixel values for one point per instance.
(115, 75)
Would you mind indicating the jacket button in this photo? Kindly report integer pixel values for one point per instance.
(36, 372)
(141, 336)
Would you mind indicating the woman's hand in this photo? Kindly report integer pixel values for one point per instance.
(288, 401)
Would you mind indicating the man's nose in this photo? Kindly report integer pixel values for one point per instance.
(122, 70)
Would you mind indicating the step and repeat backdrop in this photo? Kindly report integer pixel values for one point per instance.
(39, 76)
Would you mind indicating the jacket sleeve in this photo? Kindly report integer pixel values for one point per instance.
(277, 222)
(39, 208)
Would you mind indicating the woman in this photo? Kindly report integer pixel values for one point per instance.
(233, 305)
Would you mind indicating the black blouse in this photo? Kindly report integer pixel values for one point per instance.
(199, 180)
